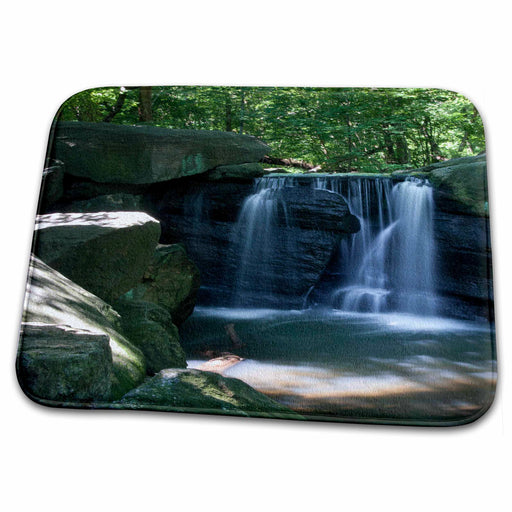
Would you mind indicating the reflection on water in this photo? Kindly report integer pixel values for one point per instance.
(339, 365)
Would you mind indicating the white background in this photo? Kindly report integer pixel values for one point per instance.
(72, 461)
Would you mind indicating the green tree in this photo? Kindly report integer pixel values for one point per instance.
(341, 129)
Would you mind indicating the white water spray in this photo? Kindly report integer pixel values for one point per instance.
(390, 263)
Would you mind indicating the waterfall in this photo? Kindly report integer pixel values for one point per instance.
(389, 264)
(363, 256)
(257, 238)
(414, 252)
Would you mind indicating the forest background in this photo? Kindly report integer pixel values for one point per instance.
(338, 129)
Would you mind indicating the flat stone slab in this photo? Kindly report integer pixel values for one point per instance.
(109, 153)
(105, 252)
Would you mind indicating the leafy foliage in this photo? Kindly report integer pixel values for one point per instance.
(341, 129)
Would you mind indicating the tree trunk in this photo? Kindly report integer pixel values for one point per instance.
(117, 107)
(145, 104)
(288, 162)
(402, 150)
(465, 139)
(242, 111)
(390, 148)
(229, 120)
(435, 152)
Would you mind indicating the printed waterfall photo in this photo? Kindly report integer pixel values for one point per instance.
(294, 253)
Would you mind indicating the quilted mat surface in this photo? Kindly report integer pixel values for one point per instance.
(294, 253)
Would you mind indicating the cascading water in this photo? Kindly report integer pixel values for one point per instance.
(257, 237)
(389, 264)
(413, 247)
(362, 257)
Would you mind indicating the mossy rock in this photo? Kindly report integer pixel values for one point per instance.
(171, 280)
(52, 186)
(64, 365)
(236, 173)
(53, 299)
(202, 392)
(110, 153)
(460, 184)
(150, 328)
(463, 187)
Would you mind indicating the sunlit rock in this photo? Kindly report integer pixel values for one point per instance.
(204, 392)
(105, 253)
(53, 299)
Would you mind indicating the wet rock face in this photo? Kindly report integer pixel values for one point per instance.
(461, 235)
(463, 263)
(105, 253)
(318, 210)
(108, 153)
(204, 216)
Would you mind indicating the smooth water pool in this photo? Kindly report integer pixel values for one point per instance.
(335, 365)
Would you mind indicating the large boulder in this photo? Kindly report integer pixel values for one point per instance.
(462, 186)
(53, 299)
(64, 365)
(109, 153)
(202, 392)
(171, 280)
(52, 186)
(105, 253)
(150, 328)
(317, 209)
(120, 202)
(83, 189)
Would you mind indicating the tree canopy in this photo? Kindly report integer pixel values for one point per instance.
(341, 129)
